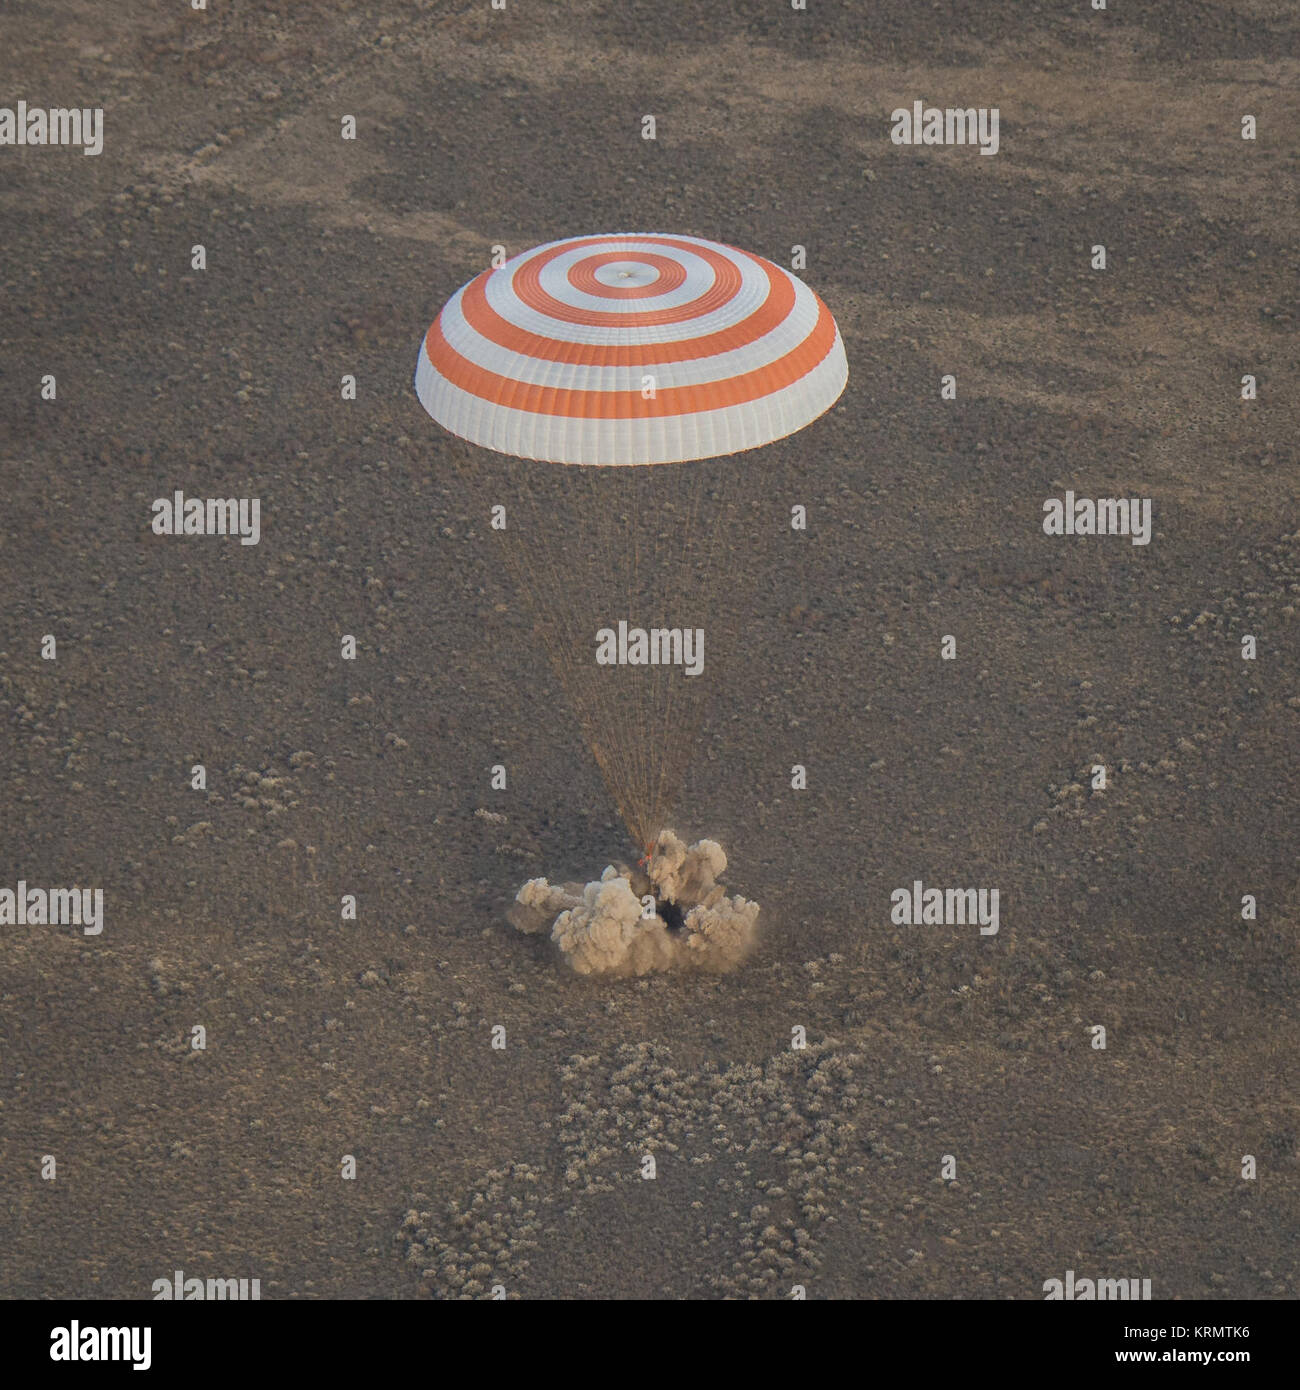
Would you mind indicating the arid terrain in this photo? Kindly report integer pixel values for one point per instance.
(776, 1167)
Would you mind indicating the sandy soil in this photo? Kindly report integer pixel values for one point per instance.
(371, 1038)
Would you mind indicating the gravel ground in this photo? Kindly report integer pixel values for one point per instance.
(776, 1167)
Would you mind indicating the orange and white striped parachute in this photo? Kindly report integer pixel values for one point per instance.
(630, 349)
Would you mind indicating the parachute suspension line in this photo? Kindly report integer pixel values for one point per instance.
(584, 547)
(679, 737)
(578, 557)
(563, 547)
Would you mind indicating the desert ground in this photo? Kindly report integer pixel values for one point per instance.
(777, 1167)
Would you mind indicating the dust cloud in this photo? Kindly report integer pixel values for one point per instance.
(608, 927)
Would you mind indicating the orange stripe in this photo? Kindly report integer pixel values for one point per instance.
(629, 405)
(485, 320)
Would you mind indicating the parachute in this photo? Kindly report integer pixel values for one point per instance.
(592, 363)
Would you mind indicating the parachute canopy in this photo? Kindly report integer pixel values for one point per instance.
(630, 349)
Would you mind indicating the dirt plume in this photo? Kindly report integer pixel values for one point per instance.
(668, 913)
